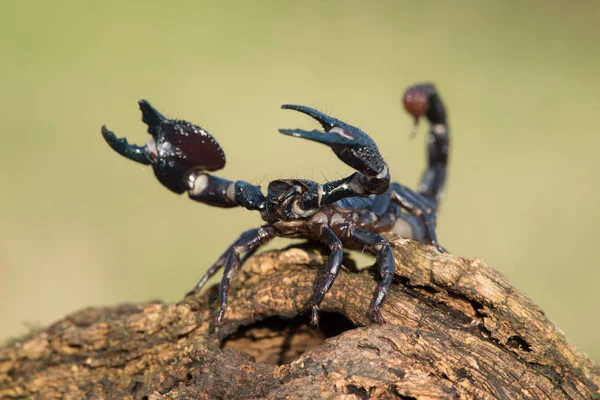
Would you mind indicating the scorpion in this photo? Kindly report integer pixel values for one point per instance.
(351, 212)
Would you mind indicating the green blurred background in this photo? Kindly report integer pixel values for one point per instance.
(82, 226)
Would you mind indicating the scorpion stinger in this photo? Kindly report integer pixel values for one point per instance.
(423, 100)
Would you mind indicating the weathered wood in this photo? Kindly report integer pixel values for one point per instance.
(455, 329)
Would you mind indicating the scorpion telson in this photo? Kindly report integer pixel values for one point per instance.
(348, 213)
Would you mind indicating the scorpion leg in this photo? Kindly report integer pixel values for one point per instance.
(250, 241)
(332, 268)
(385, 262)
(421, 207)
(211, 271)
(221, 261)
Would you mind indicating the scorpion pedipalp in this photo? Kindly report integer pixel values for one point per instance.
(176, 148)
(140, 154)
(349, 143)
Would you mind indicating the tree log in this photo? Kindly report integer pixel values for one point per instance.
(455, 329)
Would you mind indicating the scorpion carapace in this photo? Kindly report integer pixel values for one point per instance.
(351, 212)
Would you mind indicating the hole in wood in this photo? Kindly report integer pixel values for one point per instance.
(280, 341)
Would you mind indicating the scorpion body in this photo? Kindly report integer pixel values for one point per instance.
(348, 213)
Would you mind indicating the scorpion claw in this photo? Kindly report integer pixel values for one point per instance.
(139, 154)
(318, 136)
(175, 149)
(350, 144)
(325, 120)
(150, 116)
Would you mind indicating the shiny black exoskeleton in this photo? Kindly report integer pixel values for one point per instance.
(350, 212)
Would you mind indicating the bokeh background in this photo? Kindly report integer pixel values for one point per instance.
(82, 226)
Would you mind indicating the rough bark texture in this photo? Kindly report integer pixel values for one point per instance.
(455, 329)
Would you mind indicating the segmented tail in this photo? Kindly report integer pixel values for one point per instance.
(423, 100)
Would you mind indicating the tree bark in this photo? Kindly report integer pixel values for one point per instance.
(455, 329)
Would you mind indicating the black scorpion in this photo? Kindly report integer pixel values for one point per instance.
(348, 213)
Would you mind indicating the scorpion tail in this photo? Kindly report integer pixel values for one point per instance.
(423, 100)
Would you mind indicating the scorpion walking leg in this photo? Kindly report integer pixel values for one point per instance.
(244, 237)
(420, 206)
(385, 262)
(250, 241)
(332, 268)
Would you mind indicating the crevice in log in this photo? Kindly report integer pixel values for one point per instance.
(517, 342)
(358, 391)
(466, 311)
(280, 341)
